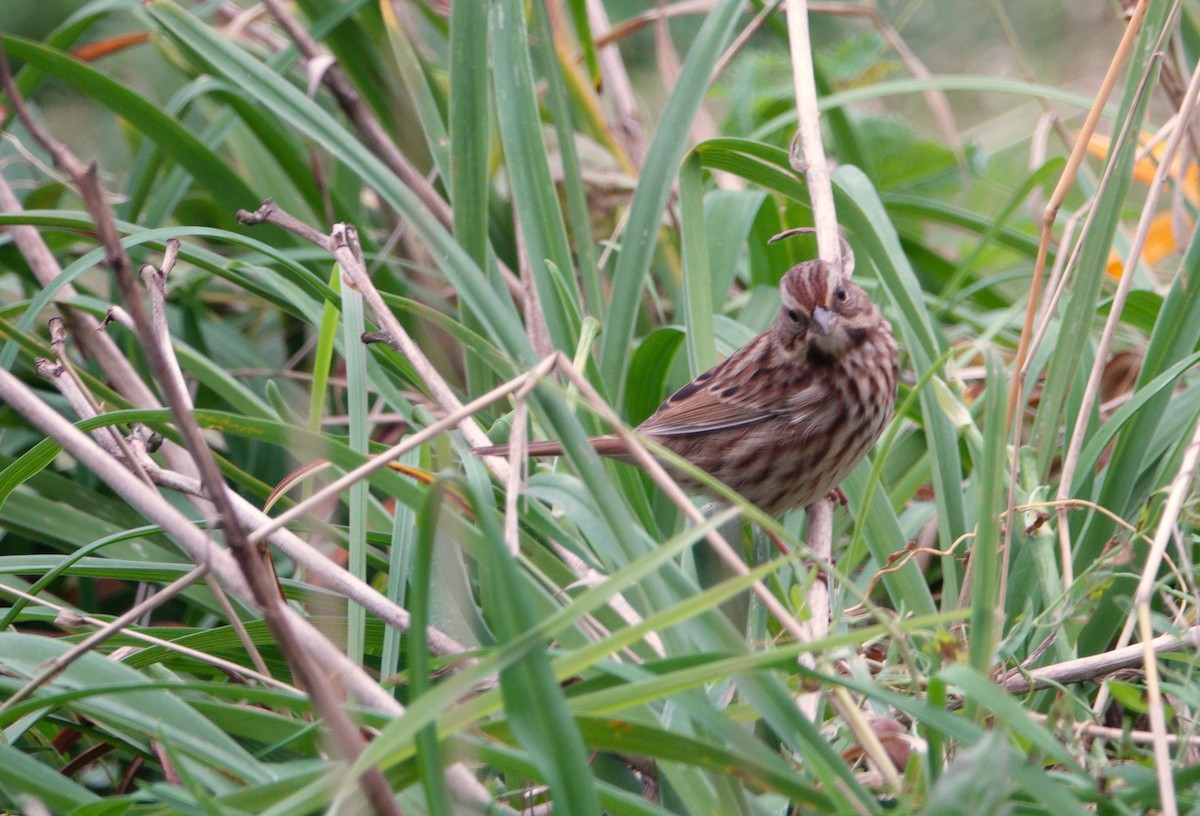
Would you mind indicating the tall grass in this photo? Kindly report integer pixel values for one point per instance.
(508, 213)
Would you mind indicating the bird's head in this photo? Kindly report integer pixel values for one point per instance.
(824, 314)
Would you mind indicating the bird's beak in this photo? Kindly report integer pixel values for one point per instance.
(823, 318)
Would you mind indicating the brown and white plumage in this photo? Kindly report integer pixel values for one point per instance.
(788, 415)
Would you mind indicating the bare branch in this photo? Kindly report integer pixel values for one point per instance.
(259, 582)
(343, 245)
(368, 127)
(59, 664)
(269, 213)
(203, 551)
(808, 136)
(1093, 667)
(70, 618)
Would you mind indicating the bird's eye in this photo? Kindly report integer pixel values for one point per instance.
(840, 294)
(793, 315)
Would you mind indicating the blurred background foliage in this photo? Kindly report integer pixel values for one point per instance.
(640, 217)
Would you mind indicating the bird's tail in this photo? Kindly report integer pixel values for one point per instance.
(604, 445)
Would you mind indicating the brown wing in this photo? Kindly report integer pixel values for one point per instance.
(726, 396)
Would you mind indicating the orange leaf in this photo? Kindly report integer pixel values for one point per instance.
(102, 48)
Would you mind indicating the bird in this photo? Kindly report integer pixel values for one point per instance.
(786, 417)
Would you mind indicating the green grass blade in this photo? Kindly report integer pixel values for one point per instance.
(208, 168)
(532, 697)
(429, 761)
(987, 607)
(697, 282)
(659, 170)
(535, 198)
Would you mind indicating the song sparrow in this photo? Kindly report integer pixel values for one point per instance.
(788, 415)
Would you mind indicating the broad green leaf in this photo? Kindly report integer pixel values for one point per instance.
(148, 713)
